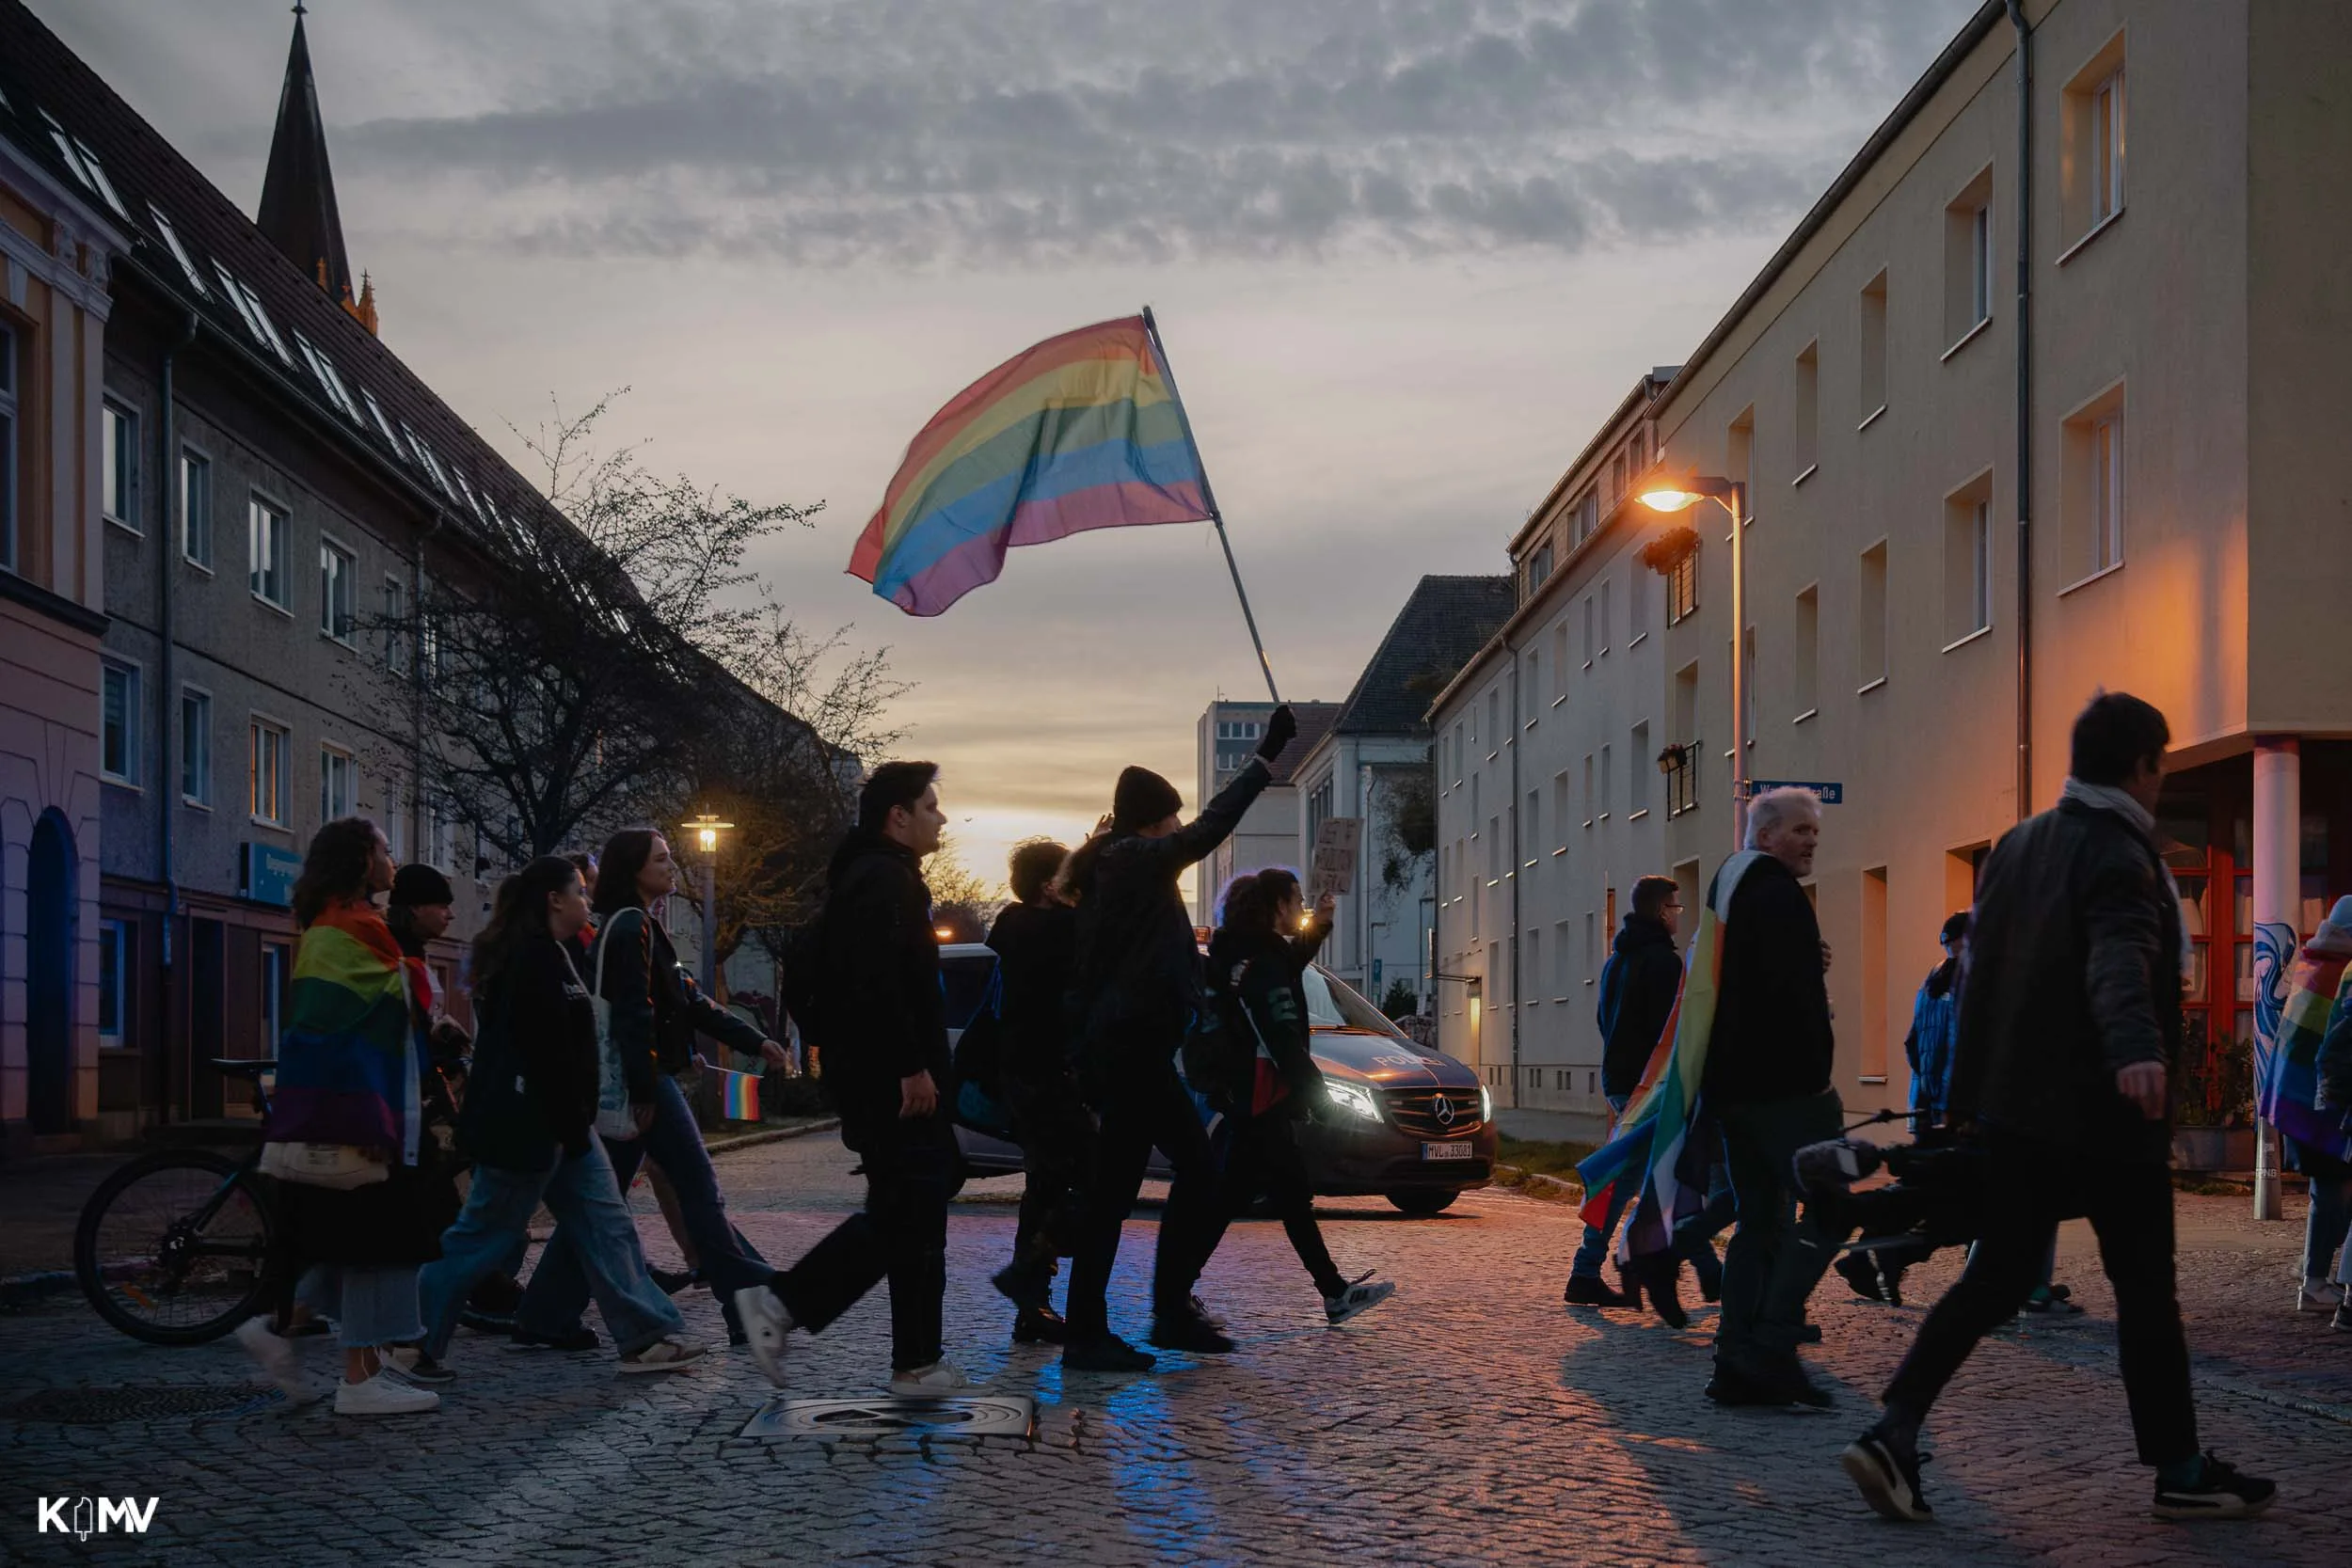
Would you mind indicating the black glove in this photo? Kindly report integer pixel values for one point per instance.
(1281, 731)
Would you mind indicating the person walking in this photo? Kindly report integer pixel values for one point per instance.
(1035, 941)
(882, 1024)
(657, 1011)
(527, 1126)
(350, 1074)
(1138, 985)
(2069, 1018)
(1268, 1080)
(1766, 1085)
(1638, 987)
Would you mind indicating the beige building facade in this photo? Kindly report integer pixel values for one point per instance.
(54, 252)
(1924, 626)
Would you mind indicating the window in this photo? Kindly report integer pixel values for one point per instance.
(248, 308)
(1560, 960)
(179, 251)
(441, 831)
(1531, 971)
(1591, 795)
(1494, 850)
(1968, 560)
(395, 826)
(383, 426)
(1968, 261)
(119, 723)
(1587, 515)
(276, 964)
(114, 970)
(1636, 605)
(1809, 410)
(1607, 772)
(1532, 698)
(1682, 588)
(7, 447)
(1457, 752)
(1804, 653)
(338, 783)
(1870, 619)
(1590, 627)
(1559, 659)
(1539, 567)
(338, 571)
(1592, 946)
(2106, 148)
(1535, 821)
(1875, 1021)
(1560, 806)
(329, 380)
(1604, 617)
(1874, 348)
(84, 165)
(265, 540)
(394, 606)
(2095, 494)
(2091, 149)
(196, 746)
(1494, 719)
(1638, 768)
(196, 508)
(119, 476)
(268, 797)
(1740, 461)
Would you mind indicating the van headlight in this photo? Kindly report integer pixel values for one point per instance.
(1485, 1103)
(1352, 1097)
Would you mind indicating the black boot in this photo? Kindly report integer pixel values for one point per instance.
(1040, 1326)
(1661, 1275)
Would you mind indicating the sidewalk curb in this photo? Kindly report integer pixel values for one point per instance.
(1544, 1189)
(771, 1135)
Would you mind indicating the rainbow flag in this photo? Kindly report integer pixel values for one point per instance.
(348, 1058)
(1080, 432)
(1651, 1140)
(2318, 995)
(738, 1096)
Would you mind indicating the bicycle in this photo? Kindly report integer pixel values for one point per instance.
(180, 1246)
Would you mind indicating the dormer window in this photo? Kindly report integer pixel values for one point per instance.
(179, 251)
(84, 165)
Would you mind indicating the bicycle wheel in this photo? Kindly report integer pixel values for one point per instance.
(175, 1248)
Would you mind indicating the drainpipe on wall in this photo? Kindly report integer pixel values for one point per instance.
(169, 523)
(416, 691)
(1511, 813)
(2024, 409)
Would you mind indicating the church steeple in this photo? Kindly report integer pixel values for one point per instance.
(298, 212)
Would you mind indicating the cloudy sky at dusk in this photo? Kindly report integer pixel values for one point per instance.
(1406, 256)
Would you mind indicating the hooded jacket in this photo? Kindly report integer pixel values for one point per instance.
(1638, 987)
(880, 960)
(2073, 973)
(1036, 947)
(1138, 964)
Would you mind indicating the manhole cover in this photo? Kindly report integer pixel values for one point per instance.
(970, 1415)
(97, 1407)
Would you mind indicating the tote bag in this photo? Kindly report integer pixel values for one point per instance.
(614, 1119)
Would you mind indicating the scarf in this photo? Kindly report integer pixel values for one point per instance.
(348, 1061)
(1650, 1146)
(2108, 797)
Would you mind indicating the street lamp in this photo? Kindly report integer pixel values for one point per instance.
(1732, 497)
(707, 829)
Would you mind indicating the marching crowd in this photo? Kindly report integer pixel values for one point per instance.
(2039, 1050)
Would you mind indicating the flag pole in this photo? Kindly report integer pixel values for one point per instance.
(1208, 499)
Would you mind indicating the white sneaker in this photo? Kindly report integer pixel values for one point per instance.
(2316, 1295)
(1359, 1297)
(384, 1395)
(671, 1353)
(279, 1358)
(941, 1378)
(765, 1324)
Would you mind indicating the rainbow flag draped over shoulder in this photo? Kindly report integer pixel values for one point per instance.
(2317, 996)
(1651, 1140)
(348, 1059)
(1080, 432)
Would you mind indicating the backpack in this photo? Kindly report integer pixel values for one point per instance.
(1219, 1049)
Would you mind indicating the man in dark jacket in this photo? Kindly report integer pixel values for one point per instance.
(2070, 1020)
(881, 1025)
(1035, 941)
(1138, 983)
(1766, 1085)
(1638, 987)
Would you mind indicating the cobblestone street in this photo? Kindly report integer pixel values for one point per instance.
(1471, 1419)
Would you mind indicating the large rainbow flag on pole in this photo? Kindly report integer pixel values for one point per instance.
(1083, 431)
(1651, 1140)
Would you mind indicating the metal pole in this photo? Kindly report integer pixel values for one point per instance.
(710, 928)
(1208, 501)
(1739, 666)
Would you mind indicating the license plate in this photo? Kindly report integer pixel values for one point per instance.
(1445, 1151)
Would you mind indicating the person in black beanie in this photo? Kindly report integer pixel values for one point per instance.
(1138, 986)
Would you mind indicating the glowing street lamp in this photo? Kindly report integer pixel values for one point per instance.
(1732, 497)
(707, 829)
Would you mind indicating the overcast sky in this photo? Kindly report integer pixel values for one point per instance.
(1406, 256)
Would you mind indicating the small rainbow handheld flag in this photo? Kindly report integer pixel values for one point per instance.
(738, 1095)
(1080, 432)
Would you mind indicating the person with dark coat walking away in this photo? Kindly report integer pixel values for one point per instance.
(657, 1011)
(1766, 1085)
(1638, 988)
(527, 1125)
(1268, 1080)
(1035, 941)
(880, 1019)
(1138, 987)
(2070, 1021)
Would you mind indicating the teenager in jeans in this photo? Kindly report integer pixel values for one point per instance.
(528, 1124)
(656, 1011)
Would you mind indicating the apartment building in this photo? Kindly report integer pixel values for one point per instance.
(1980, 491)
(1225, 739)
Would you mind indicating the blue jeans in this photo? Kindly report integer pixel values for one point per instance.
(558, 1291)
(372, 1306)
(586, 1201)
(1595, 1247)
(2324, 1227)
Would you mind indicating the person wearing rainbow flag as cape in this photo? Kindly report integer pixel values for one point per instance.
(2313, 1116)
